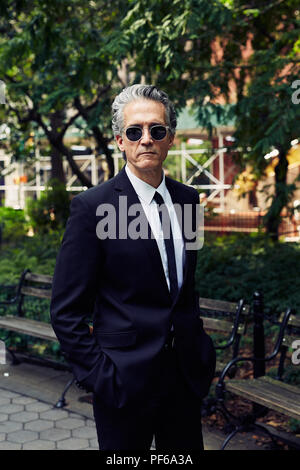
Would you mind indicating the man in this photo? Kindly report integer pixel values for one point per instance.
(148, 362)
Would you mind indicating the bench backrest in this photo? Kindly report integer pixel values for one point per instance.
(31, 285)
(228, 318)
(292, 332)
(290, 343)
(219, 315)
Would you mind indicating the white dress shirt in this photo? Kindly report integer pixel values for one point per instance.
(145, 194)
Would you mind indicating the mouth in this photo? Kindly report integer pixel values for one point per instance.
(147, 153)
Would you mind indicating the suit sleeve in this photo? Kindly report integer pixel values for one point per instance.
(76, 276)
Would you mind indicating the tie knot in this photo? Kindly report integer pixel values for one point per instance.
(158, 198)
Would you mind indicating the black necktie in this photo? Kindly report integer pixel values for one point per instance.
(169, 243)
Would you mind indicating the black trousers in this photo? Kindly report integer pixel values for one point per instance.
(172, 415)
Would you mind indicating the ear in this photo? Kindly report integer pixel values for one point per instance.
(120, 144)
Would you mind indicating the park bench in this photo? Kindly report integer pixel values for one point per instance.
(265, 392)
(227, 321)
(37, 286)
(219, 316)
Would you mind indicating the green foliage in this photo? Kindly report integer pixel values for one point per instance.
(51, 210)
(57, 64)
(294, 425)
(37, 253)
(13, 224)
(221, 52)
(233, 267)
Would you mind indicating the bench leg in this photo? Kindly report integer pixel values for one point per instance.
(249, 428)
(62, 402)
(230, 436)
(15, 360)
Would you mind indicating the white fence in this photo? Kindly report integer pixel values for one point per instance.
(17, 186)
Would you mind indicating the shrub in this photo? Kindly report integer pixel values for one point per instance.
(233, 267)
(37, 253)
(13, 224)
(51, 210)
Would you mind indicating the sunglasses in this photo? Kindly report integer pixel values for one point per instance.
(157, 132)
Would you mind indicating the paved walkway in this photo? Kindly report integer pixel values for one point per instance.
(28, 423)
(29, 419)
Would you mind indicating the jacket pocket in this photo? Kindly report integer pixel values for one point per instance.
(119, 339)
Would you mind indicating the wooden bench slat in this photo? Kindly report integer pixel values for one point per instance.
(270, 387)
(288, 340)
(292, 388)
(36, 292)
(294, 320)
(273, 401)
(212, 304)
(28, 327)
(221, 305)
(45, 278)
(269, 393)
(216, 324)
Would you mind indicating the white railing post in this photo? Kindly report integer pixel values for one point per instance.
(38, 172)
(221, 171)
(183, 163)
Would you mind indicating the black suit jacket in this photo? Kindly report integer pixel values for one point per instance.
(121, 283)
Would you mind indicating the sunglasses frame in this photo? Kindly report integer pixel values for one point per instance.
(150, 129)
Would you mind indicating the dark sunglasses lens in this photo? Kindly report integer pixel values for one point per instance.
(158, 132)
(134, 133)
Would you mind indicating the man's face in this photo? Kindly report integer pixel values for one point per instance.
(146, 154)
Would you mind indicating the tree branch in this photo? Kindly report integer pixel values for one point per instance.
(68, 124)
(100, 139)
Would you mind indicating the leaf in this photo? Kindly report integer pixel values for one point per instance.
(273, 423)
(251, 12)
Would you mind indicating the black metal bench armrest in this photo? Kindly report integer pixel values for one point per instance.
(235, 326)
(18, 291)
(220, 387)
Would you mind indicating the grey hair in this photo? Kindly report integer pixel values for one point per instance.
(135, 92)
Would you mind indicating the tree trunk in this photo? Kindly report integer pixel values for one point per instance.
(102, 145)
(65, 151)
(55, 138)
(280, 198)
(57, 171)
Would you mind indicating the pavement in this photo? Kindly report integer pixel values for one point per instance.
(29, 419)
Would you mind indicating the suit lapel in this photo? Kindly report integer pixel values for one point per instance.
(123, 187)
(179, 199)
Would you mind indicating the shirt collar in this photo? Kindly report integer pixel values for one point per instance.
(144, 190)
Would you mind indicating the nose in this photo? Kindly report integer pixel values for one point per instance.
(146, 138)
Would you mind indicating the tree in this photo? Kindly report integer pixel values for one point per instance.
(245, 54)
(57, 66)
